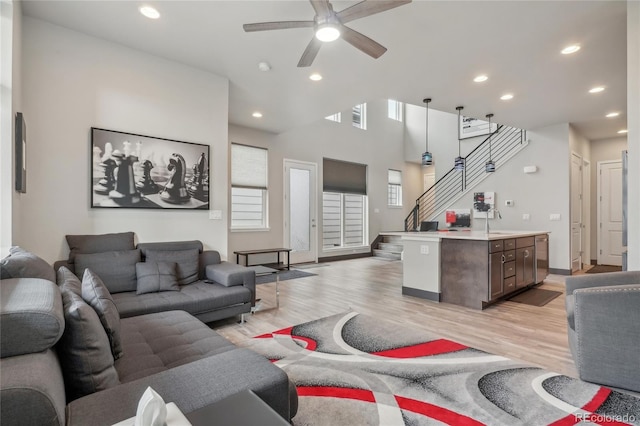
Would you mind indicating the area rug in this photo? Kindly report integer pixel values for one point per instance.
(535, 297)
(283, 276)
(600, 269)
(351, 369)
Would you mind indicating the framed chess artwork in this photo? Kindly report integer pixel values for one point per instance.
(137, 171)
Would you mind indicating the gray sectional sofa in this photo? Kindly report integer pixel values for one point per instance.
(208, 288)
(60, 362)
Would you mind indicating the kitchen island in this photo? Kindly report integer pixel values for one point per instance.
(472, 268)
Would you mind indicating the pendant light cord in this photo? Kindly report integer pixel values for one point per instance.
(426, 101)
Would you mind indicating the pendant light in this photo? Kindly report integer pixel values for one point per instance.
(458, 164)
(427, 158)
(490, 166)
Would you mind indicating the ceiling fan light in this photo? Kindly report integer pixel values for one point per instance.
(327, 33)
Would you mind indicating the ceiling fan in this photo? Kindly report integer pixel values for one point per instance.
(329, 25)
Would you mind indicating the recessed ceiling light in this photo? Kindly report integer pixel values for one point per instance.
(506, 96)
(570, 49)
(623, 131)
(315, 77)
(257, 114)
(481, 78)
(612, 114)
(596, 89)
(149, 12)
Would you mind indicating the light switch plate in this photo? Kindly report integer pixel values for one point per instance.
(554, 216)
(215, 214)
(526, 216)
(424, 249)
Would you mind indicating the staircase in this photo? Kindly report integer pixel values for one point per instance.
(390, 247)
(505, 143)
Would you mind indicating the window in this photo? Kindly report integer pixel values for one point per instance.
(344, 204)
(337, 117)
(395, 110)
(395, 188)
(359, 116)
(343, 220)
(248, 187)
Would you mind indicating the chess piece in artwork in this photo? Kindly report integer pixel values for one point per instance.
(145, 184)
(175, 191)
(198, 188)
(108, 181)
(125, 191)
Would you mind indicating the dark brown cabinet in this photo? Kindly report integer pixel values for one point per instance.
(525, 262)
(496, 262)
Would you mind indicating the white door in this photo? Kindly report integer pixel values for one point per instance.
(300, 231)
(576, 212)
(610, 212)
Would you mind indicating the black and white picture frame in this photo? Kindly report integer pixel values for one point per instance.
(137, 171)
(469, 127)
(21, 153)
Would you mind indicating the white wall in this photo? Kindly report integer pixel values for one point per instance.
(72, 82)
(601, 150)
(380, 147)
(10, 103)
(633, 137)
(538, 194)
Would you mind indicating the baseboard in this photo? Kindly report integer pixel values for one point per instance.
(343, 257)
(422, 294)
(560, 271)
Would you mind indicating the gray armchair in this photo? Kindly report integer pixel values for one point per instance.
(603, 312)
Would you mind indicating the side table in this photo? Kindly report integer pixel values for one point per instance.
(264, 270)
(242, 409)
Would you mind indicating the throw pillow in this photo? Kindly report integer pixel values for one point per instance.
(95, 293)
(23, 264)
(85, 356)
(186, 260)
(156, 276)
(117, 269)
(67, 280)
(98, 243)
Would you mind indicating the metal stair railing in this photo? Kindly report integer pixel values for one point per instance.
(505, 142)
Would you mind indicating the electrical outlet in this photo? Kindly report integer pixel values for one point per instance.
(554, 216)
(526, 216)
(424, 249)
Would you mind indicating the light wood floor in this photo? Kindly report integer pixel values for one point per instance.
(535, 335)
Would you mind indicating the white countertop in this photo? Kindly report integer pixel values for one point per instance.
(498, 234)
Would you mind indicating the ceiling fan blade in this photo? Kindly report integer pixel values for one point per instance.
(281, 25)
(362, 42)
(367, 8)
(310, 53)
(322, 7)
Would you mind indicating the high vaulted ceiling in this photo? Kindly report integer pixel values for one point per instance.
(435, 49)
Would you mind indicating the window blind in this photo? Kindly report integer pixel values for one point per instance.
(248, 167)
(395, 177)
(344, 177)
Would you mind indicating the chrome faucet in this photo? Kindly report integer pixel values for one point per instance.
(486, 223)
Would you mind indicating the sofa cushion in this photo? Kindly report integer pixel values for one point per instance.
(195, 298)
(99, 243)
(158, 342)
(85, 355)
(156, 276)
(95, 293)
(170, 245)
(67, 280)
(31, 318)
(186, 260)
(22, 264)
(117, 269)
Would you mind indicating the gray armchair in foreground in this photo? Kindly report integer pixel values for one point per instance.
(603, 312)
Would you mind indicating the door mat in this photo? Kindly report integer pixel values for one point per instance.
(599, 269)
(283, 276)
(535, 297)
